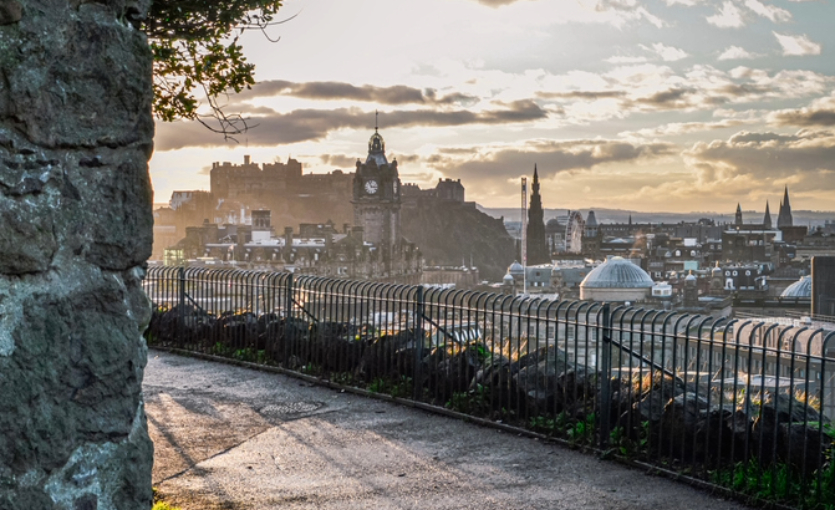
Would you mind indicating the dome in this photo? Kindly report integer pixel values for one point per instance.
(716, 271)
(377, 150)
(507, 279)
(799, 289)
(617, 273)
(690, 278)
(515, 269)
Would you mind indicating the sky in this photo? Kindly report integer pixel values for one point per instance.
(667, 105)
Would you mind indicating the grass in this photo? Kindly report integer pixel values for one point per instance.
(162, 505)
(159, 504)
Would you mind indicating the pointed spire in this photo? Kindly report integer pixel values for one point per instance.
(376, 119)
(767, 218)
(738, 216)
(784, 219)
(535, 174)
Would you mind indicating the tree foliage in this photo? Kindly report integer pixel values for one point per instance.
(196, 51)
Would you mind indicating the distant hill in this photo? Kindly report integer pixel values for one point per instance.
(453, 233)
(809, 218)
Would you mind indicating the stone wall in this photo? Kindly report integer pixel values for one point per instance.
(75, 229)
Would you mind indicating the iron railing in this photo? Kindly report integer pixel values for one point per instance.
(739, 404)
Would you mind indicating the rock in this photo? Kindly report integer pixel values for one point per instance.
(452, 367)
(449, 232)
(393, 356)
(76, 84)
(542, 378)
(10, 12)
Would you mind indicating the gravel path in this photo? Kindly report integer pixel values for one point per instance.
(237, 439)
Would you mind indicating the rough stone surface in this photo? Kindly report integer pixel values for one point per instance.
(75, 208)
(10, 12)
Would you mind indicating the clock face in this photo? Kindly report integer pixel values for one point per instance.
(371, 186)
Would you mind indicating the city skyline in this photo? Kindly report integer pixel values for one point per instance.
(675, 105)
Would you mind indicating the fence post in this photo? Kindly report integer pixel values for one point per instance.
(417, 382)
(288, 315)
(181, 303)
(606, 378)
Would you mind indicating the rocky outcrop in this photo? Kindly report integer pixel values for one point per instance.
(75, 208)
(452, 233)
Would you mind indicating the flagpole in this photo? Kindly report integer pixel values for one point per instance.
(524, 250)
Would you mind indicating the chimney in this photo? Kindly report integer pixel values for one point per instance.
(346, 228)
(357, 233)
(246, 159)
(212, 233)
(244, 234)
(288, 238)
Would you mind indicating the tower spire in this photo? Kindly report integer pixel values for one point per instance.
(784, 219)
(767, 218)
(738, 216)
(536, 245)
(376, 119)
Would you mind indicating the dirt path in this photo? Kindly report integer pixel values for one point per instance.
(232, 438)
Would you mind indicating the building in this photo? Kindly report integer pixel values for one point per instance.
(617, 280)
(372, 249)
(376, 199)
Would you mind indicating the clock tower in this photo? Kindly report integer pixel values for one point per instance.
(377, 199)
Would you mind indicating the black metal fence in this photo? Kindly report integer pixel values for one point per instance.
(739, 404)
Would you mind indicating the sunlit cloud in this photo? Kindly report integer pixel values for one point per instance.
(667, 53)
(398, 94)
(729, 16)
(737, 53)
(625, 60)
(682, 128)
(775, 14)
(820, 113)
(797, 45)
(309, 124)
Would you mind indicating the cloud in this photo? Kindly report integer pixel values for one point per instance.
(667, 53)
(775, 14)
(629, 10)
(582, 94)
(797, 45)
(338, 160)
(496, 3)
(806, 155)
(729, 16)
(625, 60)
(820, 113)
(670, 99)
(737, 53)
(551, 156)
(330, 90)
(682, 128)
(308, 124)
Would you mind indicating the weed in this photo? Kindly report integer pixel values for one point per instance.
(475, 401)
(582, 432)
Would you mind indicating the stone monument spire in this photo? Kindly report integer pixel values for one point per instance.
(537, 246)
